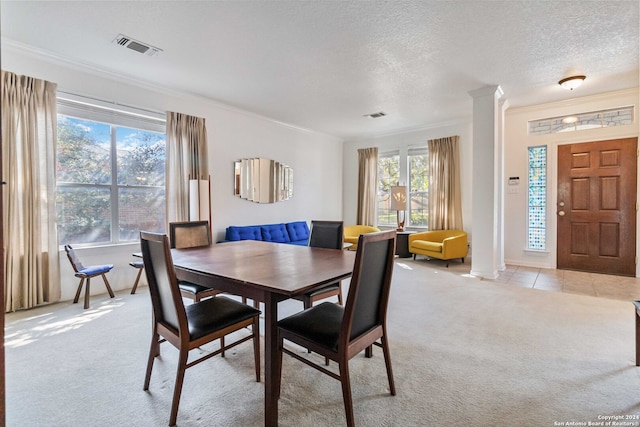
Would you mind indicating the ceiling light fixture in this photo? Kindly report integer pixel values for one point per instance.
(572, 82)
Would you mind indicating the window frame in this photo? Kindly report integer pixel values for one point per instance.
(113, 115)
(404, 176)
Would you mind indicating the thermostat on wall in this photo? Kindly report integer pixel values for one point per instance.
(514, 180)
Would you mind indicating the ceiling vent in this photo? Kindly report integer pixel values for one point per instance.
(375, 115)
(136, 45)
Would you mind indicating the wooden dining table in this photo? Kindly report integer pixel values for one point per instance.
(269, 273)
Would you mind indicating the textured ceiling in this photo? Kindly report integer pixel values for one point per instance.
(322, 65)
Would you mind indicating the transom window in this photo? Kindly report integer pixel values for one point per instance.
(596, 119)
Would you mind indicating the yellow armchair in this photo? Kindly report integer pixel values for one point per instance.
(353, 232)
(441, 244)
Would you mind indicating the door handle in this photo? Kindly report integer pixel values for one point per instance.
(561, 213)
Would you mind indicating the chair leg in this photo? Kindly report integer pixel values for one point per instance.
(368, 352)
(75, 300)
(135, 284)
(387, 362)
(340, 292)
(346, 392)
(222, 346)
(182, 366)
(153, 352)
(86, 293)
(106, 283)
(414, 257)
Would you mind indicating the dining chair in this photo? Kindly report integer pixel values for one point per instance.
(191, 326)
(86, 273)
(139, 265)
(340, 333)
(192, 234)
(330, 235)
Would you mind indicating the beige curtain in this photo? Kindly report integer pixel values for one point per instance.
(32, 273)
(367, 185)
(186, 157)
(445, 201)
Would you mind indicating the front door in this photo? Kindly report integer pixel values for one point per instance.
(596, 210)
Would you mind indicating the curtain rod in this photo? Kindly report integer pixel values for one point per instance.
(106, 103)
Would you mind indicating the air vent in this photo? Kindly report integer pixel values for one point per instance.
(375, 115)
(138, 46)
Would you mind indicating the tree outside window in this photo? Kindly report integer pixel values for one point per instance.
(388, 175)
(110, 181)
(393, 167)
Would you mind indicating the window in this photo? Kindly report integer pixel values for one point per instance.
(537, 228)
(418, 187)
(596, 119)
(393, 169)
(110, 177)
(388, 175)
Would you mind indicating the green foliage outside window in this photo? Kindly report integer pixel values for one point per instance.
(93, 206)
(389, 166)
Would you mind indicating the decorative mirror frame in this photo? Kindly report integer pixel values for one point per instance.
(262, 180)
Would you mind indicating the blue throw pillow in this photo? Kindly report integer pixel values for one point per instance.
(249, 232)
(298, 230)
(275, 233)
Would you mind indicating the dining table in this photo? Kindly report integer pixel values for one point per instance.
(266, 272)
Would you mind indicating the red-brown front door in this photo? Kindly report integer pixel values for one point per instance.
(596, 210)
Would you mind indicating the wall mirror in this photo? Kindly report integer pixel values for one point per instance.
(263, 180)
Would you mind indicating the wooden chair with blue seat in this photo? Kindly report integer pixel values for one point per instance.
(86, 273)
(191, 234)
(140, 266)
(341, 333)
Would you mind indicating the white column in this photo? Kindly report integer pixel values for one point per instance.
(502, 107)
(485, 189)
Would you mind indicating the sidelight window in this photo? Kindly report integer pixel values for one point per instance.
(537, 223)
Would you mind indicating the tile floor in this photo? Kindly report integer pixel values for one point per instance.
(575, 282)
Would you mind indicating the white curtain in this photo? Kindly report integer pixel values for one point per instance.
(367, 186)
(445, 201)
(186, 158)
(32, 275)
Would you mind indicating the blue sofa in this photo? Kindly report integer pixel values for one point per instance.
(293, 233)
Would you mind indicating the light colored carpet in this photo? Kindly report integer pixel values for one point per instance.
(465, 352)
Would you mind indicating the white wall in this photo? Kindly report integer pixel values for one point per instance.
(316, 158)
(516, 144)
(402, 142)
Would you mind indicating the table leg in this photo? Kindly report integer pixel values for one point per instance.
(270, 360)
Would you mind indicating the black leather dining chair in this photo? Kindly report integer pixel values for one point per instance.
(191, 326)
(329, 235)
(340, 333)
